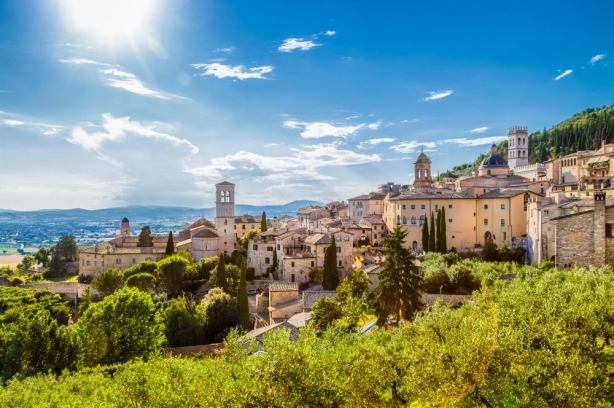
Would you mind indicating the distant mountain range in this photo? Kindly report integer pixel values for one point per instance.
(157, 212)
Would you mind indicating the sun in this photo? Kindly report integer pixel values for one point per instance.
(110, 18)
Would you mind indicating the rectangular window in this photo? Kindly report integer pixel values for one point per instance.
(339, 263)
(486, 221)
(133, 260)
(450, 220)
(278, 246)
(267, 260)
(270, 249)
(102, 263)
(88, 263)
(450, 206)
(404, 207)
(423, 207)
(83, 262)
(338, 250)
(609, 231)
(503, 206)
(292, 264)
(255, 247)
(118, 261)
(312, 264)
(95, 262)
(504, 235)
(413, 206)
(502, 222)
(243, 226)
(486, 206)
(436, 207)
(546, 213)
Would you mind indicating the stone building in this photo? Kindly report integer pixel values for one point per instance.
(307, 217)
(244, 223)
(366, 204)
(586, 238)
(518, 146)
(119, 252)
(422, 172)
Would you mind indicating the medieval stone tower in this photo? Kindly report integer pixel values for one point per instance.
(125, 228)
(422, 172)
(517, 146)
(225, 215)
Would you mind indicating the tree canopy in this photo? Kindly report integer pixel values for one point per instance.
(145, 239)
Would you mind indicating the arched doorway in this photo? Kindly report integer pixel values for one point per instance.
(487, 236)
(414, 246)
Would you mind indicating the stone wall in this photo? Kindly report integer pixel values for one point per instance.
(257, 254)
(68, 288)
(277, 298)
(574, 240)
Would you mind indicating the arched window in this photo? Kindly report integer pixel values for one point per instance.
(267, 260)
(422, 218)
(404, 220)
(426, 173)
(413, 220)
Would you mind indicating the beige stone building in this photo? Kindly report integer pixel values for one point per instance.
(308, 217)
(366, 204)
(585, 238)
(120, 252)
(244, 223)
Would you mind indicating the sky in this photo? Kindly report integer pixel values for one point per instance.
(107, 103)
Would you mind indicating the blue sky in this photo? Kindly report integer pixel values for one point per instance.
(151, 102)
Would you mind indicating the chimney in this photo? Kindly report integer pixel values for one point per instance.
(599, 229)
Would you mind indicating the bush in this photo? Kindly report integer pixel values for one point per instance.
(16, 280)
(85, 279)
(145, 282)
(220, 313)
(205, 266)
(315, 275)
(184, 322)
(250, 274)
(108, 281)
(192, 285)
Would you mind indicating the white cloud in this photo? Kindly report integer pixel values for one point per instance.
(224, 71)
(116, 129)
(301, 164)
(564, 74)
(227, 49)
(410, 121)
(352, 117)
(129, 82)
(410, 147)
(479, 130)
(82, 61)
(373, 142)
(476, 142)
(292, 44)
(330, 33)
(315, 130)
(597, 58)
(374, 126)
(438, 95)
(13, 123)
(272, 145)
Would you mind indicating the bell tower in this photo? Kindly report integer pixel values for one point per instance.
(225, 215)
(517, 146)
(125, 228)
(422, 172)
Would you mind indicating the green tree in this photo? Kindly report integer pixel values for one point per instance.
(149, 267)
(330, 278)
(57, 266)
(315, 275)
(220, 314)
(205, 266)
(432, 243)
(184, 322)
(42, 256)
(145, 237)
(142, 281)
(26, 263)
(244, 240)
(173, 271)
(220, 275)
(242, 301)
(442, 241)
(398, 292)
(86, 302)
(438, 231)
(109, 281)
(425, 234)
(67, 248)
(325, 312)
(263, 224)
(356, 285)
(118, 329)
(170, 245)
(490, 253)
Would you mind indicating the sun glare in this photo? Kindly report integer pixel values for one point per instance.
(110, 18)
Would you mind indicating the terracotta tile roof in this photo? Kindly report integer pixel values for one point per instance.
(206, 233)
(370, 196)
(503, 193)
(283, 286)
(436, 193)
(249, 218)
(259, 333)
(310, 297)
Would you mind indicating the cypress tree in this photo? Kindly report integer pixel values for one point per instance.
(432, 234)
(145, 237)
(220, 278)
(330, 279)
(425, 234)
(242, 303)
(263, 225)
(443, 240)
(438, 229)
(275, 261)
(170, 245)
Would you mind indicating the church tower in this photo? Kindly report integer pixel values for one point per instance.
(422, 172)
(225, 215)
(517, 146)
(125, 228)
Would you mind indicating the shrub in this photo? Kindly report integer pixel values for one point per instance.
(142, 267)
(108, 281)
(205, 266)
(220, 313)
(315, 275)
(85, 279)
(184, 322)
(250, 274)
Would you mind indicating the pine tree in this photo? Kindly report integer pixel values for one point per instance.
(170, 245)
(330, 279)
(145, 237)
(443, 239)
(425, 234)
(432, 247)
(242, 303)
(398, 292)
(220, 278)
(263, 224)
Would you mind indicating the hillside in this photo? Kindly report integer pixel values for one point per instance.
(583, 131)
